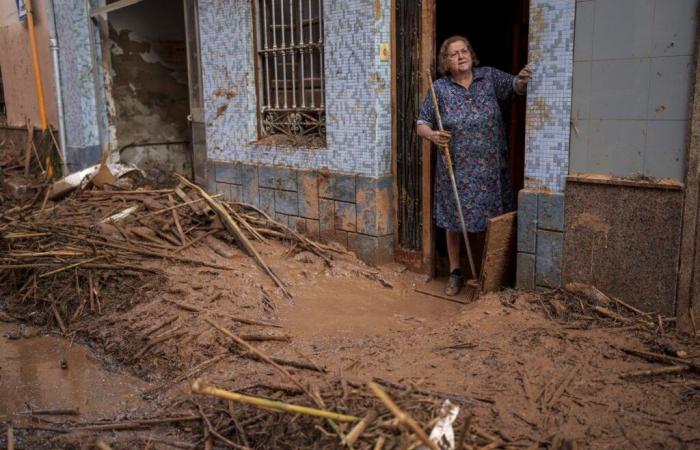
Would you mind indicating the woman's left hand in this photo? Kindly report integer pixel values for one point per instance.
(523, 78)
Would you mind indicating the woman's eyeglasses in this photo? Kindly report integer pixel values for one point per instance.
(463, 52)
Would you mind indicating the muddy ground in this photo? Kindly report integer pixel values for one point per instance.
(505, 356)
(533, 370)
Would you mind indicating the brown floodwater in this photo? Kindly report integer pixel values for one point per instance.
(49, 373)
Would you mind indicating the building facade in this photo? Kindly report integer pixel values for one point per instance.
(306, 109)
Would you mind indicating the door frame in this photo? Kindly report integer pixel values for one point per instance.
(198, 145)
(420, 261)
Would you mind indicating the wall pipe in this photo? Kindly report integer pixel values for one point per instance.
(35, 60)
(55, 50)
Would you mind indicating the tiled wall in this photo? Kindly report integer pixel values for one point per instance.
(82, 132)
(540, 239)
(358, 88)
(541, 203)
(551, 44)
(353, 210)
(631, 87)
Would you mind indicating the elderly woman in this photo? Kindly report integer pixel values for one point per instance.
(469, 99)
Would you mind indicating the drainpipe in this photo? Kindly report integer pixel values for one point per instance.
(53, 45)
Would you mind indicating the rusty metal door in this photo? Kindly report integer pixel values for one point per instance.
(409, 242)
(194, 75)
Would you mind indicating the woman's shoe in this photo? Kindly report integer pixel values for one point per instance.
(454, 284)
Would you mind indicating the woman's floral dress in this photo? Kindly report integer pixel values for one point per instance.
(478, 148)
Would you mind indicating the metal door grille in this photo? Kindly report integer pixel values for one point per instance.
(409, 166)
(290, 67)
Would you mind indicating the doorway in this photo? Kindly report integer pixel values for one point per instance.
(498, 32)
(152, 84)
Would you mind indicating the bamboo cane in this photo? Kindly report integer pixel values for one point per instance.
(450, 170)
(403, 417)
(271, 404)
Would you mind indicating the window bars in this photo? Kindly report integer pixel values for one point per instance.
(290, 67)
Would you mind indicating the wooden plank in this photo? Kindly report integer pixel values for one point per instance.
(427, 63)
(688, 296)
(499, 252)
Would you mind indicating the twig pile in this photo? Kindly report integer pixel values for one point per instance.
(100, 249)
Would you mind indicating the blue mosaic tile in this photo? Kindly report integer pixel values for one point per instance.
(358, 92)
(549, 94)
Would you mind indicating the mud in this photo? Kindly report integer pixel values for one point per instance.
(47, 372)
(525, 371)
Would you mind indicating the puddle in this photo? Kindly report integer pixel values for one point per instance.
(31, 372)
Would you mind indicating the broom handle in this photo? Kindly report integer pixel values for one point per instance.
(448, 163)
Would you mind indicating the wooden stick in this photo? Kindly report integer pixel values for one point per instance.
(101, 445)
(379, 444)
(231, 226)
(157, 254)
(71, 266)
(565, 383)
(50, 412)
(156, 341)
(61, 324)
(193, 241)
(442, 297)
(155, 328)
(656, 357)
(145, 192)
(10, 438)
(360, 428)
(188, 307)
(176, 219)
(287, 362)
(607, 313)
(402, 416)
(198, 388)
(262, 355)
(134, 424)
(189, 374)
(180, 205)
(652, 372)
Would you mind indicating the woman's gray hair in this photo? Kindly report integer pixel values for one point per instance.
(443, 65)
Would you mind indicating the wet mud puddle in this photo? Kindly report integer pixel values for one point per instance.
(49, 373)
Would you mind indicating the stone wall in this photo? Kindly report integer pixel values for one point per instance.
(353, 210)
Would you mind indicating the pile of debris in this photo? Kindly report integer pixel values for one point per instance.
(61, 261)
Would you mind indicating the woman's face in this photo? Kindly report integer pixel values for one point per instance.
(459, 58)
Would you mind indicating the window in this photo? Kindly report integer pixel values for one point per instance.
(290, 72)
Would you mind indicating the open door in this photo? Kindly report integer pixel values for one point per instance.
(194, 70)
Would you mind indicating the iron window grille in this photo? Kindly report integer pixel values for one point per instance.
(290, 70)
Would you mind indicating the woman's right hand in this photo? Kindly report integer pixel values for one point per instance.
(440, 138)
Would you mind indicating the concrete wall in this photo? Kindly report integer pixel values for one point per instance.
(358, 88)
(631, 87)
(17, 69)
(623, 236)
(148, 85)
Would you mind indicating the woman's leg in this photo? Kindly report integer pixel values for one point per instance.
(454, 245)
